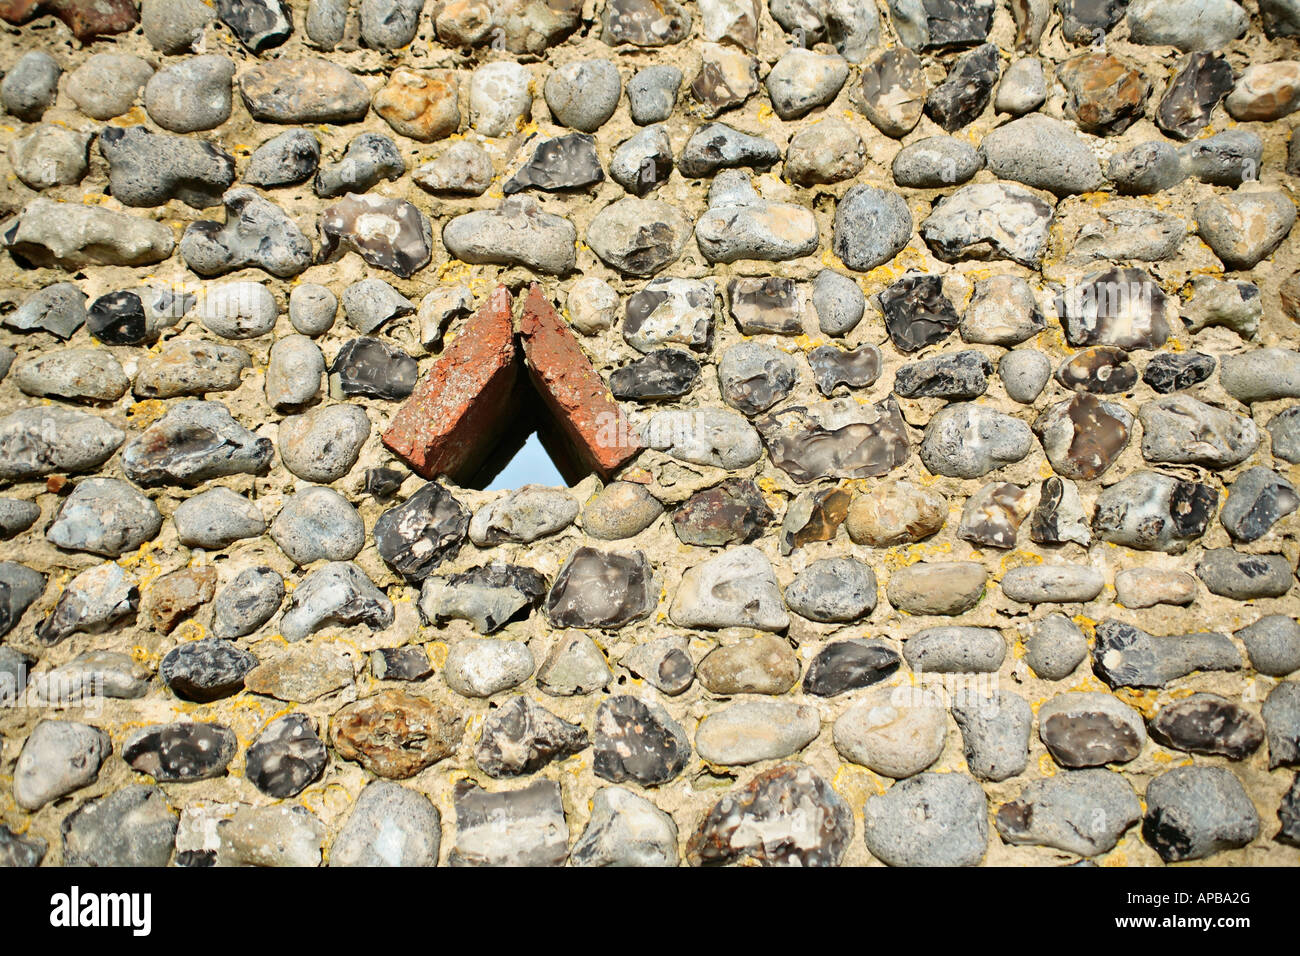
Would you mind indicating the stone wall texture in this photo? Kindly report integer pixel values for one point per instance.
(934, 362)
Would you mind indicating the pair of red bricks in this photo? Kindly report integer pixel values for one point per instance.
(465, 401)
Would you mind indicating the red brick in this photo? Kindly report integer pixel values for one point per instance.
(86, 19)
(574, 392)
(462, 405)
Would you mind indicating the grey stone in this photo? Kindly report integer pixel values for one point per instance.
(44, 439)
(1149, 511)
(481, 667)
(1089, 729)
(652, 93)
(1053, 584)
(337, 593)
(256, 233)
(636, 740)
(715, 146)
(1244, 577)
(239, 310)
(1272, 644)
(893, 90)
(50, 156)
(463, 167)
(1284, 430)
(1281, 713)
(625, 829)
(524, 515)
(1230, 303)
(1194, 812)
(107, 84)
(93, 600)
(1147, 587)
(934, 819)
(621, 510)
(520, 737)
(871, 227)
(1174, 371)
(753, 376)
(897, 732)
(133, 826)
(936, 162)
(312, 308)
(940, 587)
(950, 375)
(967, 441)
(521, 827)
(955, 649)
(989, 221)
(191, 367)
(489, 597)
(993, 515)
(206, 670)
(307, 91)
(1257, 500)
(174, 26)
(370, 303)
(517, 232)
(575, 666)
(72, 235)
(193, 442)
(833, 590)
(802, 80)
(368, 160)
(639, 237)
(1261, 375)
(249, 601)
(1024, 374)
(323, 444)
(59, 757)
(1208, 724)
(390, 24)
(1081, 811)
(293, 374)
(59, 309)
(104, 516)
(704, 436)
(408, 663)
(284, 160)
(829, 151)
(734, 589)
(995, 733)
(1043, 153)
(217, 518)
(665, 663)
(642, 162)
(1246, 226)
(30, 85)
(276, 835)
(1023, 88)
(843, 666)
(16, 516)
(754, 730)
(607, 589)
(73, 374)
(1229, 158)
(1147, 168)
(20, 851)
(318, 524)
(1125, 656)
(1002, 311)
(390, 825)
(583, 94)
(1054, 647)
(191, 94)
(1186, 24)
(499, 97)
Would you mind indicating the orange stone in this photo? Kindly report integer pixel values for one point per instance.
(423, 106)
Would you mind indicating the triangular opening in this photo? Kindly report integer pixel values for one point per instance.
(531, 451)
